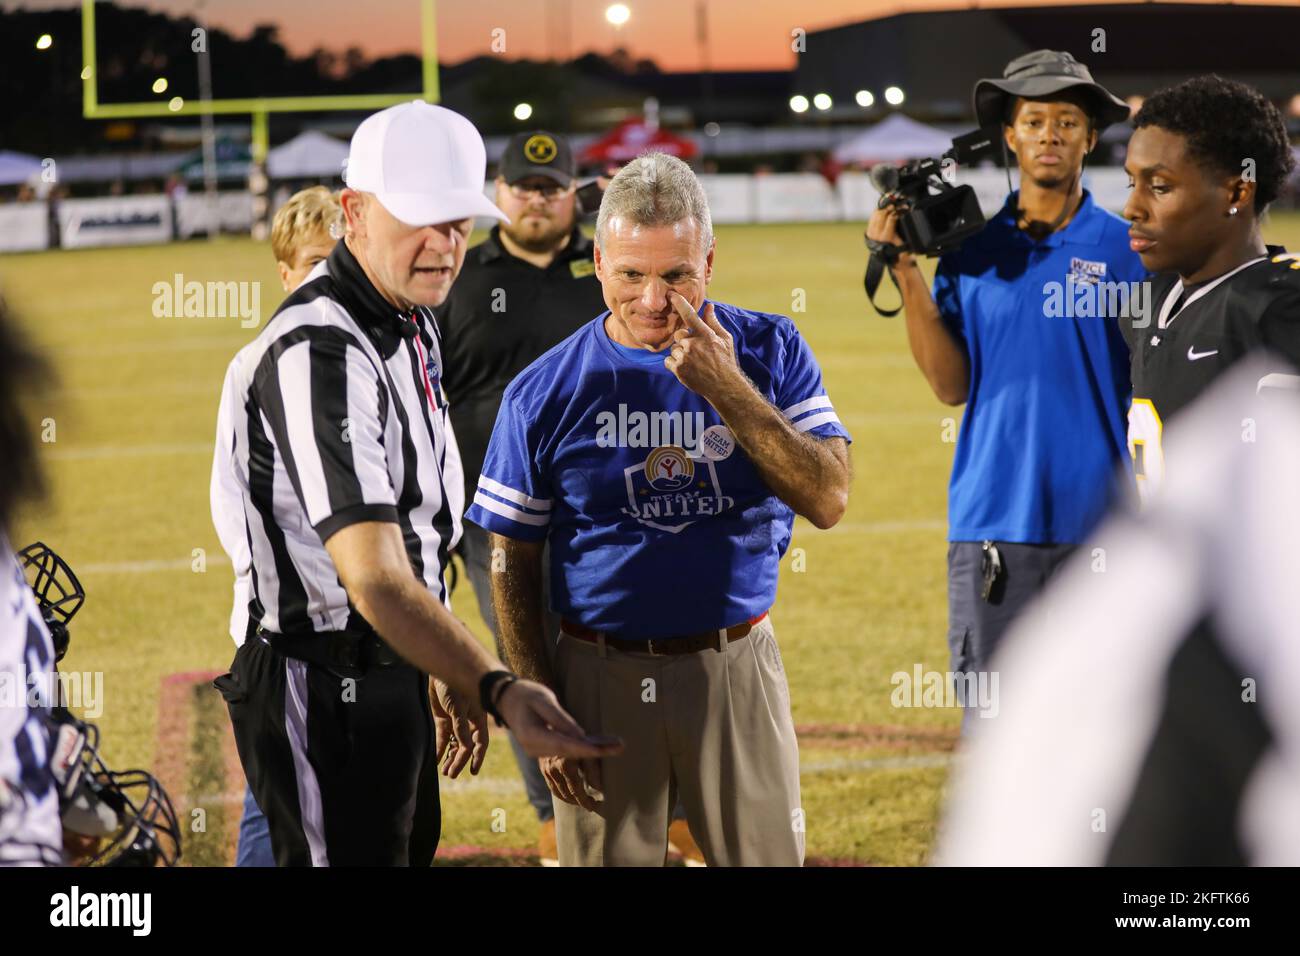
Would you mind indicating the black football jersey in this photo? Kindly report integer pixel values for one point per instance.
(1190, 335)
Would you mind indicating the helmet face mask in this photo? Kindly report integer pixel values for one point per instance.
(110, 818)
(58, 592)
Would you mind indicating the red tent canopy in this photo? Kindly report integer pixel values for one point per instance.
(630, 138)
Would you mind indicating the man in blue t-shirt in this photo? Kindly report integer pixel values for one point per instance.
(1022, 329)
(663, 450)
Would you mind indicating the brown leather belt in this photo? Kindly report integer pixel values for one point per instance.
(660, 646)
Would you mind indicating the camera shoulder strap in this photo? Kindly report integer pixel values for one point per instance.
(883, 255)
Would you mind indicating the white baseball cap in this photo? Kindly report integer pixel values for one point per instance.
(426, 164)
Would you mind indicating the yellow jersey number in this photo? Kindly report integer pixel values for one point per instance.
(1144, 437)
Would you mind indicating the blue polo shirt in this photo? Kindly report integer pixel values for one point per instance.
(657, 519)
(1044, 430)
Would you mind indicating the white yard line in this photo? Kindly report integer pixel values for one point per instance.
(224, 343)
(150, 567)
(136, 391)
(128, 451)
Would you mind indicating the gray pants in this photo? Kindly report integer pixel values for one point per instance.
(711, 729)
(476, 549)
(976, 626)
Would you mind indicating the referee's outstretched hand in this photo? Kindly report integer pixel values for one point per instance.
(460, 730)
(544, 729)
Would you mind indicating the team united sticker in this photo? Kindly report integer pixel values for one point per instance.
(716, 444)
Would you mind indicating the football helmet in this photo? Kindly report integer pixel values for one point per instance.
(58, 592)
(110, 818)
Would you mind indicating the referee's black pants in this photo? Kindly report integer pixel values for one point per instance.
(345, 772)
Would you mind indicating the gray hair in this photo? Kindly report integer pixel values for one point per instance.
(655, 189)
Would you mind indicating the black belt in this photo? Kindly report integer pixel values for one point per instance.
(357, 651)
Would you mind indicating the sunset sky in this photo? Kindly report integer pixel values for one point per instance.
(743, 34)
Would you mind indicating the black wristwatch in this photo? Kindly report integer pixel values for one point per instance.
(490, 688)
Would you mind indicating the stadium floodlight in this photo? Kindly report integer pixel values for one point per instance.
(176, 104)
(864, 98)
(523, 111)
(893, 96)
(44, 41)
(160, 85)
(799, 103)
(822, 101)
(618, 14)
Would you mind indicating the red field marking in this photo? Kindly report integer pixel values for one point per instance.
(173, 744)
(176, 726)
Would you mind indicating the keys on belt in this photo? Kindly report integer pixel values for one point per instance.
(990, 569)
(664, 646)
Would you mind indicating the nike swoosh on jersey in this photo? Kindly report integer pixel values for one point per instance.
(1193, 355)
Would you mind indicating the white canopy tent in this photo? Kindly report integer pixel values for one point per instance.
(309, 155)
(18, 167)
(893, 139)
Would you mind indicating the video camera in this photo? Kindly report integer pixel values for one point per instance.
(934, 215)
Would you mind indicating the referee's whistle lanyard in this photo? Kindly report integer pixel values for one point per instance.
(423, 357)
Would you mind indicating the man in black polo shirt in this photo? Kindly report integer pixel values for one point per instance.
(527, 287)
(524, 289)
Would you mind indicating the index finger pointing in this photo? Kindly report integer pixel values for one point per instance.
(687, 313)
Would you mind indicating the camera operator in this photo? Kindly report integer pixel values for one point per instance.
(1046, 395)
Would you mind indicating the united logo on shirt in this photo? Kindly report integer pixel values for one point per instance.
(670, 484)
(669, 469)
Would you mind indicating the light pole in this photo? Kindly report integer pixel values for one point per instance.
(207, 126)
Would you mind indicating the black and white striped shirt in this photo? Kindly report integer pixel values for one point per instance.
(333, 415)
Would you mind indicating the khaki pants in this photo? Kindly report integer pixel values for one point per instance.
(713, 727)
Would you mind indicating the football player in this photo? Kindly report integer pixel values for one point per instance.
(1206, 159)
(30, 832)
(58, 801)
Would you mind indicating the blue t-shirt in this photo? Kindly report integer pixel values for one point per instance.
(1044, 429)
(658, 522)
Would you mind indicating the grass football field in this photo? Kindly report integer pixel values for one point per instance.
(132, 425)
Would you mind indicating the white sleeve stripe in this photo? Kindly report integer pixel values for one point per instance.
(508, 493)
(505, 511)
(821, 401)
(814, 420)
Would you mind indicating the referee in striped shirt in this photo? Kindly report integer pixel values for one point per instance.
(340, 451)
